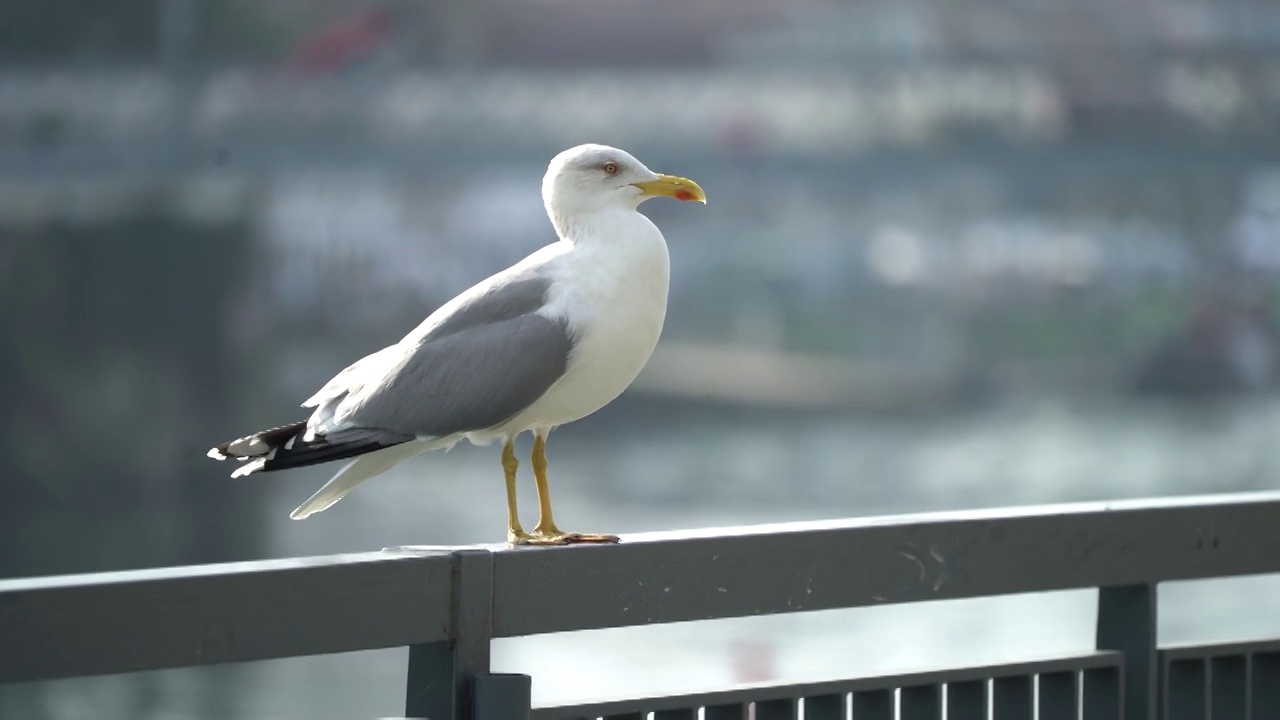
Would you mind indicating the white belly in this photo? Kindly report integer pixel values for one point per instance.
(615, 297)
(603, 366)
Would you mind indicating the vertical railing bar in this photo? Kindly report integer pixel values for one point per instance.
(920, 702)
(1057, 695)
(735, 711)
(873, 705)
(1184, 689)
(1012, 698)
(787, 709)
(1206, 688)
(1228, 687)
(1103, 694)
(503, 696)
(1266, 686)
(430, 682)
(967, 700)
(1248, 686)
(825, 707)
(440, 678)
(1127, 623)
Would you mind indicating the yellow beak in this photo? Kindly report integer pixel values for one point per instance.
(673, 187)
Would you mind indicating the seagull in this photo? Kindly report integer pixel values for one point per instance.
(548, 341)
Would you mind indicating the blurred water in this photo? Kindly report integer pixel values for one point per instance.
(697, 469)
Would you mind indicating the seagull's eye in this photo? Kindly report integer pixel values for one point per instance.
(610, 168)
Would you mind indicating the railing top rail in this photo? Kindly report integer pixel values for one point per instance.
(1238, 648)
(118, 622)
(735, 572)
(175, 617)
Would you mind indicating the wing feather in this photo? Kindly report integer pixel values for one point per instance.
(478, 362)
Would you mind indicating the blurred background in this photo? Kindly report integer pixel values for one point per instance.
(957, 255)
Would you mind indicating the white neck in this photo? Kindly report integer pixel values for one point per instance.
(600, 226)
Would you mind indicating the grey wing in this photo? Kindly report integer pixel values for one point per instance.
(480, 366)
(354, 375)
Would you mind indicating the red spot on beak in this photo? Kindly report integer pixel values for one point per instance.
(684, 195)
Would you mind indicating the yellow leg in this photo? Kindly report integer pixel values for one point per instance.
(515, 533)
(546, 521)
(546, 527)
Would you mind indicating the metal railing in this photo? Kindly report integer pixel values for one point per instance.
(447, 604)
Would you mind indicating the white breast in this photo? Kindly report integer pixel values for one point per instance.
(612, 287)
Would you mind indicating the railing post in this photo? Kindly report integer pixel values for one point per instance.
(441, 676)
(503, 697)
(1127, 623)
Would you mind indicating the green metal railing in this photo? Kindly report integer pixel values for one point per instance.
(447, 604)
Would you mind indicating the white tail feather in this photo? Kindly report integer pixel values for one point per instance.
(354, 473)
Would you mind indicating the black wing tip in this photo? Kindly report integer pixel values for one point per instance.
(258, 444)
(283, 447)
(320, 451)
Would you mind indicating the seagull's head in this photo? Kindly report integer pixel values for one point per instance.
(592, 178)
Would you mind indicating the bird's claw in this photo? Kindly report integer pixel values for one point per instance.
(534, 540)
(558, 537)
(574, 538)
